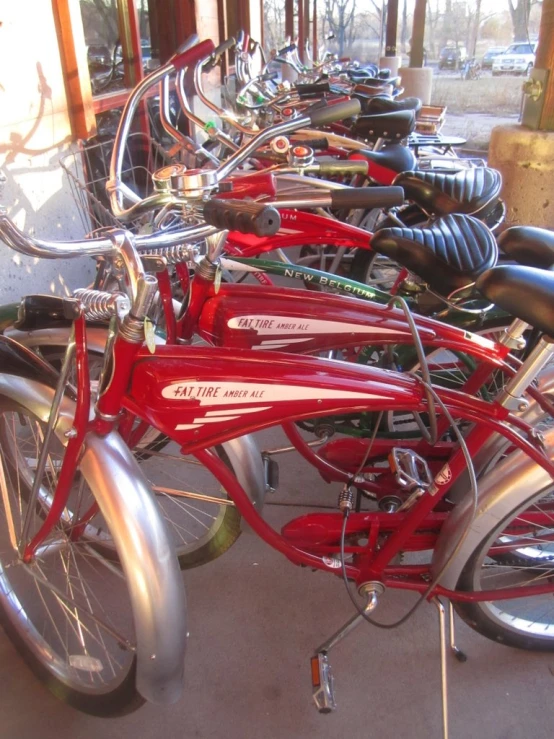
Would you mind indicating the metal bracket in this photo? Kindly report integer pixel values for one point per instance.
(533, 97)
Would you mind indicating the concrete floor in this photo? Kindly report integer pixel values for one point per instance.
(254, 620)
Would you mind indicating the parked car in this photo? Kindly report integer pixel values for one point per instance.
(517, 59)
(99, 55)
(452, 57)
(490, 55)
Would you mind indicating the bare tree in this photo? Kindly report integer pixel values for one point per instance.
(339, 14)
(404, 27)
(274, 23)
(100, 19)
(432, 18)
(519, 12)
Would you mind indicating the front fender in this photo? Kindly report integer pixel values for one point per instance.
(503, 490)
(143, 545)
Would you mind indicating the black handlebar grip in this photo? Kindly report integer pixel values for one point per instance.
(312, 88)
(316, 144)
(269, 76)
(367, 197)
(331, 113)
(286, 49)
(347, 169)
(218, 53)
(242, 215)
(225, 46)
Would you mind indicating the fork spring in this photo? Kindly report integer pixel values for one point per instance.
(99, 305)
(176, 254)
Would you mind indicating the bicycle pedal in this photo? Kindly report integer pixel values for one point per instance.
(411, 470)
(323, 683)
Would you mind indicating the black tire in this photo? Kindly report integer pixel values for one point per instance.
(48, 606)
(522, 623)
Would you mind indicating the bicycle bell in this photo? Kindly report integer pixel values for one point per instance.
(189, 183)
(301, 156)
(280, 145)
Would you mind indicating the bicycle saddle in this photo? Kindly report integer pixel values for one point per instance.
(449, 254)
(394, 157)
(387, 105)
(525, 292)
(366, 98)
(385, 125)
(469, 191)
(527, 245)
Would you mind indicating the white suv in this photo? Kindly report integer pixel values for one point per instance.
(517, 59)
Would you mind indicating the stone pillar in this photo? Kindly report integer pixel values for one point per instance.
(525, 158)
(417, 82)
(390, 62)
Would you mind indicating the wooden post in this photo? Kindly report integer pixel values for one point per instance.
(392, 26)
(301, 30)
(306, 28)
(289, 19)
(545, 60)
(69, 24)
(130, 41)
(418, 33)
(314, 33)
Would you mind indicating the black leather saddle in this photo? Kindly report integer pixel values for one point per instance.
(528, 245)
(395, 157)
(469, 191)
(392, 126)
(448, 255)
(525, 292)
(382, 104)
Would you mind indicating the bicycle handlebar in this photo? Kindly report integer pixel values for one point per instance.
(186, 58)
(97, 247)
(115, 186)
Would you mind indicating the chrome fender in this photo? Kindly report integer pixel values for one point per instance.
(58, 336)
(503, 490)
(243, 452)
(246, 460)
(145, 550)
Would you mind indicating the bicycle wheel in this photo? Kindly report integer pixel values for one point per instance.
(202, 520)
(68, 611)
(519, 551)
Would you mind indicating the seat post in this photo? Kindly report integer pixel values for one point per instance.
(512, 395)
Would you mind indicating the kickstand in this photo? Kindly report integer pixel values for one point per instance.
(456, 651)
(444, 680)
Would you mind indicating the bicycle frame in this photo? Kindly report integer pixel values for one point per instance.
(246, 393)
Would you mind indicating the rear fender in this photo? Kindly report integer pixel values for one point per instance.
(143, 545)
(503, 490)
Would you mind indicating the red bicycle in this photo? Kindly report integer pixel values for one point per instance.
(488, 553)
